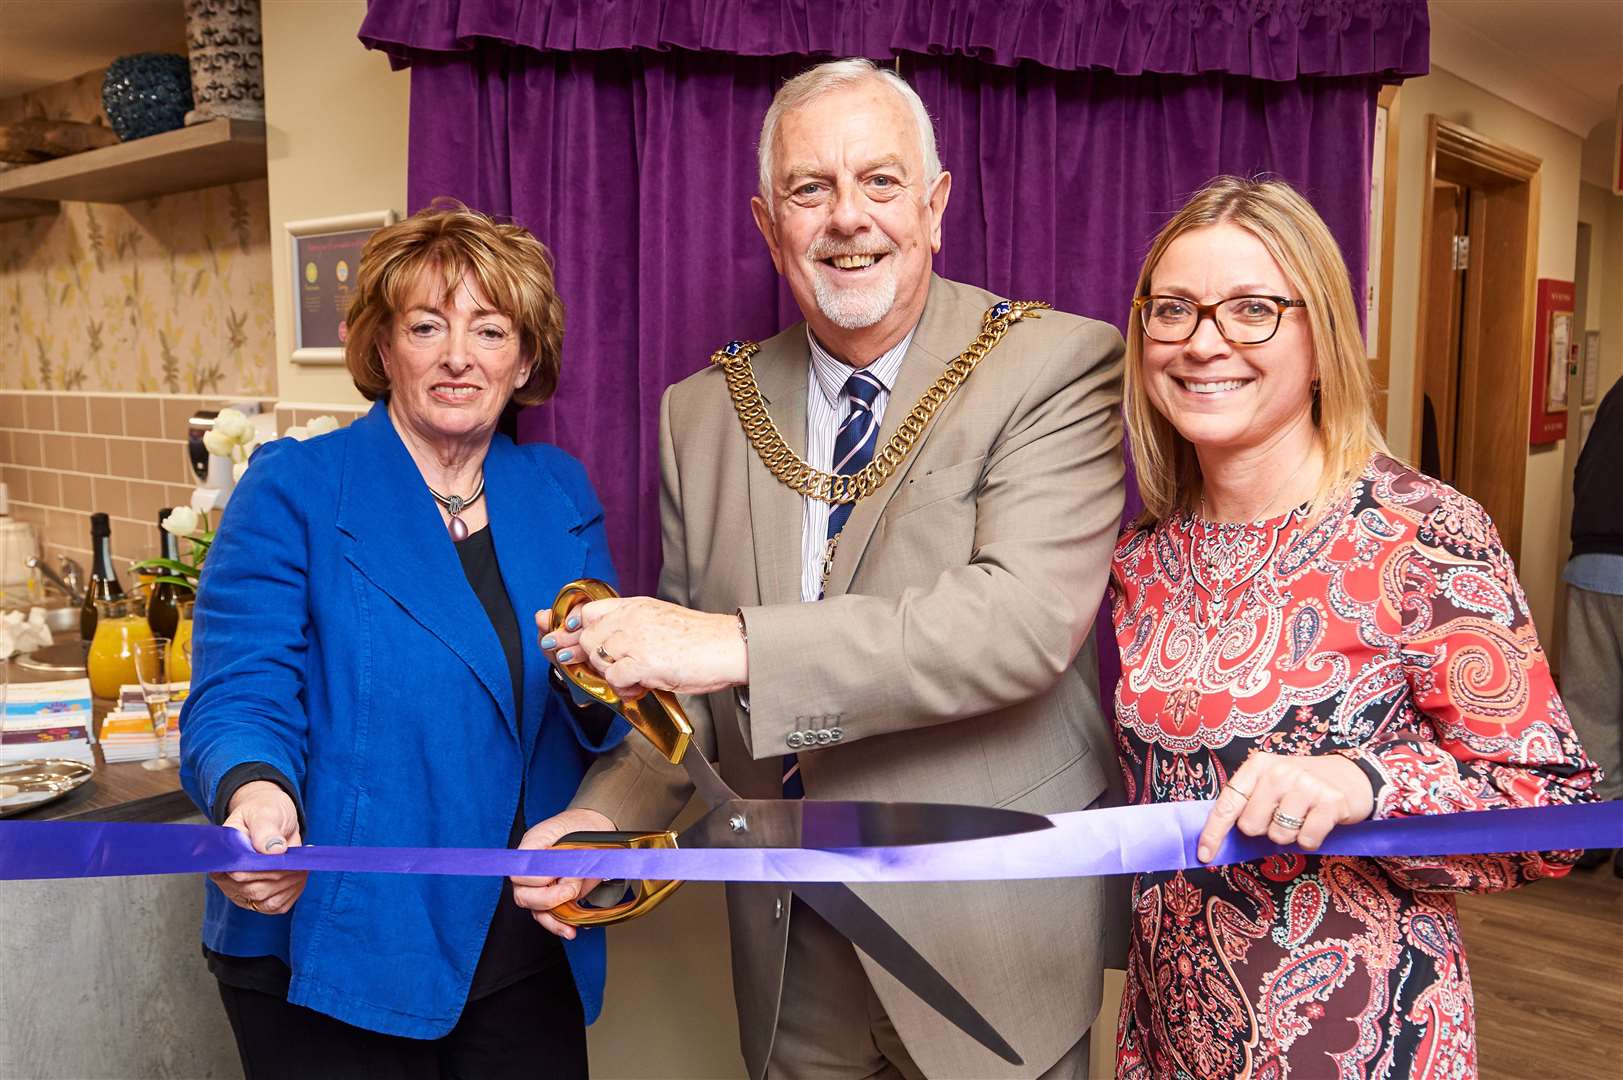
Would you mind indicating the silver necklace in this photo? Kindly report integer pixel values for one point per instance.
(454, 505)
(1271, 499)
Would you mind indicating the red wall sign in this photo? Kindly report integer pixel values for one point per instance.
(1554, 340)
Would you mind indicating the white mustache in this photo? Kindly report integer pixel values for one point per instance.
(824, 248)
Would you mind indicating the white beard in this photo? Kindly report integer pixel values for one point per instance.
(856, 307)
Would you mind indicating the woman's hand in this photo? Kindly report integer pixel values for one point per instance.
(262, 811)
(541, 894)
(1294, 798)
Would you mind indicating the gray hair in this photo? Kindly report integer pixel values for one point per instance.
(826, 78)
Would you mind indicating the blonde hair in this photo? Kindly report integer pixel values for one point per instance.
(447, 241)
(1343, 413)
(826, 78)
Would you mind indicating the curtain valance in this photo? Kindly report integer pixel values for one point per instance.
(1275, 40)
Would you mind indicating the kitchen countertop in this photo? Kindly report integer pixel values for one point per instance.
(120, 792)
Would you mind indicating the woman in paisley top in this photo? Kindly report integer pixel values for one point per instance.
(1312, 634)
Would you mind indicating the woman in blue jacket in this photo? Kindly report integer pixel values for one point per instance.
(362, 675)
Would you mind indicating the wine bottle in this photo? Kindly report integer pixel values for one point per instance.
(104, 584)
(165, 597)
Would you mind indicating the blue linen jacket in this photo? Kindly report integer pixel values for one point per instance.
(337, 639)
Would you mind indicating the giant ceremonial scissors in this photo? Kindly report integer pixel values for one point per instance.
(787, 823)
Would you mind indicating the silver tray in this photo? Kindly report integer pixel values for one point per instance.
(27, 784)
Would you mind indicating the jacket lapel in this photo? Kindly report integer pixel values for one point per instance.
(944, 330)
(398, 542)
(539, 548)
(775, 509)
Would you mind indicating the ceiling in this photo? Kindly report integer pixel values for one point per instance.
(47, 41)
(1560, 59)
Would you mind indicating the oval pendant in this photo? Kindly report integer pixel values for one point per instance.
(459, 529)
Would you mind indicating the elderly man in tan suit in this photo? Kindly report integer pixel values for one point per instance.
(934, 645)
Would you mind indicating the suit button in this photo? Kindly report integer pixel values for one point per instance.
(825, 737)
(835, 734)
(795, 740)
(777, 909)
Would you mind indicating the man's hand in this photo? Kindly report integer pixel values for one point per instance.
(541, 894)
(262, 811)
(639, 643)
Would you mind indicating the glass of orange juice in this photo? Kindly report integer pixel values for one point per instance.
(120, 625)
(180, 658)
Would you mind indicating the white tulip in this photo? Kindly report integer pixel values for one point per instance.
(183, 521)
(234, 425)
(321, 425)
(218, 444)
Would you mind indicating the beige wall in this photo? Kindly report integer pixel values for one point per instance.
(336, 118)
(1561, 152)
(1603, 213)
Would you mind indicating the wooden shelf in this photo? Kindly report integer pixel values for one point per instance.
(216, 152)
(17, 209)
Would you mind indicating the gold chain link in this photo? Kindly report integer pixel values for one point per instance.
(840, 488)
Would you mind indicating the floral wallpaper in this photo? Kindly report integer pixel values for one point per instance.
(166, 295)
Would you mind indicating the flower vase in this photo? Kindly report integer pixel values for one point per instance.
(223, 45)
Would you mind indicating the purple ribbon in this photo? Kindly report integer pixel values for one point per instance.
(1124, 840)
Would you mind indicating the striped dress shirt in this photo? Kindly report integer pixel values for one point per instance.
(826, 409)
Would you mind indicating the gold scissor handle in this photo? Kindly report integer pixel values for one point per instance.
(645, 895)
(660, 719)
(656, 714)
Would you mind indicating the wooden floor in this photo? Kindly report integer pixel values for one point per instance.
(1547, 965)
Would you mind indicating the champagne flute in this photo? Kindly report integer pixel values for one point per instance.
(152, 669)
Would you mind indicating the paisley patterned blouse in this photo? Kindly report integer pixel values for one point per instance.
(1393, 631)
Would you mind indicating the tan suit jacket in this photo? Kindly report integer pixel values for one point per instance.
(953, 654)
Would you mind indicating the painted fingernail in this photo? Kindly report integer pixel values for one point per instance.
(549, 642)
(566, 655)
(572, 623)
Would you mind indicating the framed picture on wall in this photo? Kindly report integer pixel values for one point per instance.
(324, 254)
(1591, 367)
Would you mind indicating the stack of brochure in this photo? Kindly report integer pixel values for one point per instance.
(126, 732)
(47, 720)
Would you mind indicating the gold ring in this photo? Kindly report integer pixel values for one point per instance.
(603, 653)
(1288, 821)
(254, 904)
(1238, 790)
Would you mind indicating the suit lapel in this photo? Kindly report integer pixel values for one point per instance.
(781, 370)
(944, 330)
(398, 542)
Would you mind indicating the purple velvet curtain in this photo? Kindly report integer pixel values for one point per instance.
(622, 133)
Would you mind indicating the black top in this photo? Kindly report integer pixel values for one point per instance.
(1597, 492)
(515, 945)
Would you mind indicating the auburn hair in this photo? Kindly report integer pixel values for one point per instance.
(443, 244)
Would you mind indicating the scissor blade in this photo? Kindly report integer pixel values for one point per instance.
(865, 928)
(830, 824)
(816, 823)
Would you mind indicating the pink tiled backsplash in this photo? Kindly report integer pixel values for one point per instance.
(64, 456)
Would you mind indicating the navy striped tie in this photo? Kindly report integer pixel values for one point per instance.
(853, 449)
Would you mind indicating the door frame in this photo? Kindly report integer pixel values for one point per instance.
(1477, 161)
